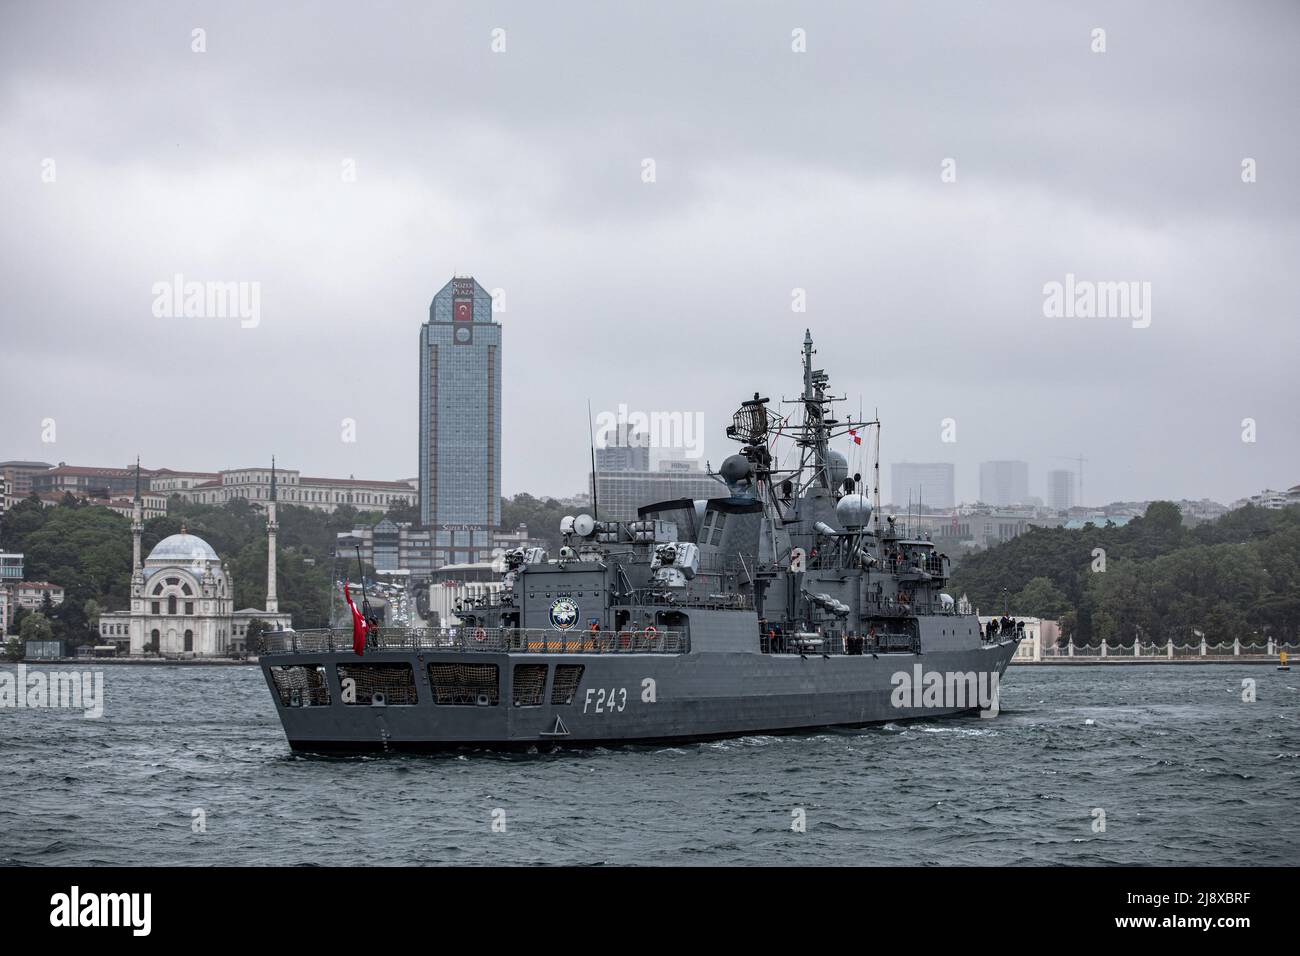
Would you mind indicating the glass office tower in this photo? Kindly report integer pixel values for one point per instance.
(460, 423)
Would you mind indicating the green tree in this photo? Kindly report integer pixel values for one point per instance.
(1040, 598)
(253, 638)
(91, 610)
(36, 627)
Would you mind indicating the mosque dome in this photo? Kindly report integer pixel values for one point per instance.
(182, 548)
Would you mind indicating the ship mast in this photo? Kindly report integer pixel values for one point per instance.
(814, 403)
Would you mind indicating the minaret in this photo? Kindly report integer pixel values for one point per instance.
(272, 526)
(137, 521)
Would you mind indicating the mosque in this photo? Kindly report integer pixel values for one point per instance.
(182, 597)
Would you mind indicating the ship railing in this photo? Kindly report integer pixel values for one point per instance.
(837, 644)
(888, 607)
(471, 639)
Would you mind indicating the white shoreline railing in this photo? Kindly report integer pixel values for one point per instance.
(1170, 650)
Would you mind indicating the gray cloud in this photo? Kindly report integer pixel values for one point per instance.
(775, 170)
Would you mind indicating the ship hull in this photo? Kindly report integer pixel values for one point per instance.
(642, 699)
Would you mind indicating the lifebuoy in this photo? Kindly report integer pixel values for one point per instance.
(480, 635)
(650, 634)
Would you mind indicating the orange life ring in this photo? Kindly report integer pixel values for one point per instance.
(480, 635)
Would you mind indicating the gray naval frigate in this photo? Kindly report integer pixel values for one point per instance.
(784, 605)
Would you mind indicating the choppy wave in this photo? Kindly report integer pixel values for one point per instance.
(189, 766)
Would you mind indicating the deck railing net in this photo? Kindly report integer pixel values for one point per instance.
(465, 684)
(395, 682)
(529, 685)
(301, 686)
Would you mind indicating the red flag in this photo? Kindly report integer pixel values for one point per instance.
(857, 439)
(359, 625)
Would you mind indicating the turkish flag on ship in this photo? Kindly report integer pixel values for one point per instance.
(359, 625)
(857, 439)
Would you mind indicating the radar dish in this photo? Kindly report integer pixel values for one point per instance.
(584, 526)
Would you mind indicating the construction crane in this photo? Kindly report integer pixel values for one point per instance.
(1079, 461)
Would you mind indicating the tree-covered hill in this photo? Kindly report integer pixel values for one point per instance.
(1238, 576)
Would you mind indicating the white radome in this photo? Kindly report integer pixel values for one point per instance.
(853, 511)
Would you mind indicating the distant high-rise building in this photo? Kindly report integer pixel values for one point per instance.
(624, 450)
(19, 475)
(620, 493)
(932, 484)
(1060, 489)
(460, 420)
(1004, 483)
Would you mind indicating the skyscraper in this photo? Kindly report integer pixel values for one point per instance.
(932, 484)
(624, 449)
(460, 422)
(1004, 483)
(1060, 489)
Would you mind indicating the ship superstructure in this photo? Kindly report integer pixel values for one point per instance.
(785, 604)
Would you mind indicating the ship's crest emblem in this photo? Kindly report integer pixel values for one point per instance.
(564, 613)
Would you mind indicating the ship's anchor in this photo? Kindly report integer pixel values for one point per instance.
(558, 730)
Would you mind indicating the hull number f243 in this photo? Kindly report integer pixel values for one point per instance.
(601, 701)
(614, 701)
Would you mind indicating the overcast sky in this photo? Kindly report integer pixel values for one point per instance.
(774, 170)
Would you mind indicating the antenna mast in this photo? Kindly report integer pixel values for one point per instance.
(591, 436)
